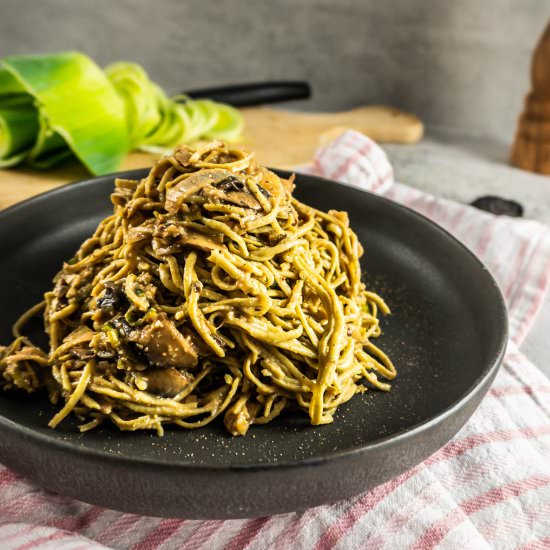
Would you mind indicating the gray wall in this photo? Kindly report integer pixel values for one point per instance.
(456, 63)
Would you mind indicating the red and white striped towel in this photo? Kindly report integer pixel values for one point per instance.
(488, 488)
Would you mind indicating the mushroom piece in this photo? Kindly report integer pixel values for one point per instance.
(166, 382)
(202, 242)
(274, 186)
(183, 154)
(170, 238)
(232, 190)
(164, 345)
(241, 198)
(192, 184)
(201, 346)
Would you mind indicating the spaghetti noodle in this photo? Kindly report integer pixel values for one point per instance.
(210, 290)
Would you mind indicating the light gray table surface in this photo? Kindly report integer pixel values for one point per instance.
(462, 168)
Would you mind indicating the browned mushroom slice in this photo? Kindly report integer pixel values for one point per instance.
(170, 238)
(202, 242)
(167, 238)
(164, 345)
(183, 154)
(274, 185)
(233, 183)
(166, 382)
(200, 345)
(231, 190)
(241, 198)
(168, 231)
(179, 193)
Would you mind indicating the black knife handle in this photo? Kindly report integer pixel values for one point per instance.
(254, 93)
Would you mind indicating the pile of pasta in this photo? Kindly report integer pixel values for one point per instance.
(209, 291)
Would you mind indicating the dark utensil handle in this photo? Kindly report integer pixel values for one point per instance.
(255, 93)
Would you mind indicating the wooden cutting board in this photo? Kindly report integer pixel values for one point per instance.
(281, 139)
(286, 139)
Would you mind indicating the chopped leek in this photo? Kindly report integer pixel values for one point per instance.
(60, 106)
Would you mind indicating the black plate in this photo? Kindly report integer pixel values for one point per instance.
(447, 337)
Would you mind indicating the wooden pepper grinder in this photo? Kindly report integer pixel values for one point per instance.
(531, 149)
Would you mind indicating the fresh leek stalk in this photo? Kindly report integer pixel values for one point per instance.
(157, 121)
(60, 106)
(71, 106)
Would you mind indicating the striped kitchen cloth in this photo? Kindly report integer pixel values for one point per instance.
(488, 488)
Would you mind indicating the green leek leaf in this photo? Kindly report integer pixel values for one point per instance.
(75, 101)
(157, 122)
(18, 128)
(229, 124)
(60, 106)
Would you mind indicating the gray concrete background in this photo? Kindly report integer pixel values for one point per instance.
(456, 63)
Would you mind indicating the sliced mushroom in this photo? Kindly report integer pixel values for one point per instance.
(170, 238)
(192, 184)
(232, 183)
(80, 335)
(202, 242)
(231, 191)
(183, 154)
(242, 198)
(167, 238)
(274, 185)
(164, 345)
(200, 345)
(166, 382)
